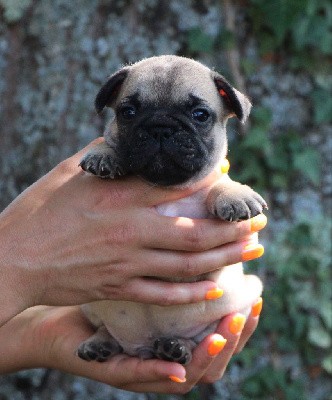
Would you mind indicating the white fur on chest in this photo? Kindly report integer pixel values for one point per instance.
(190, 207)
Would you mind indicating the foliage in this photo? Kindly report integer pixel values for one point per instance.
(299, 25)
(301, 31)
(298, 32)
(298, 286)
(273, 162)
(299, 318)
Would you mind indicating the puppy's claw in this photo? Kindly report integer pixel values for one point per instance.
(239, 205)
(100, 165)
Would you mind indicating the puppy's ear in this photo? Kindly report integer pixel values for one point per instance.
(110, 90)
(235, 102)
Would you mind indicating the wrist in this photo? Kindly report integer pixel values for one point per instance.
(13, 301)
(15, 280)
(19, 346)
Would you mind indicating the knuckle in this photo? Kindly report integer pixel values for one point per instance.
(241, 229)
(165, 300)
(172, 296)
(196, 238)
(64, 167)
(189, 266)
(114, 292)
(123, 233)
(120, 195)
(182, 389)
(209, 379)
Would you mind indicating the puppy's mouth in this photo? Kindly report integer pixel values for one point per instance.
(166, 152)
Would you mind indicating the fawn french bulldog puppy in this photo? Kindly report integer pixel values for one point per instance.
(169, 128)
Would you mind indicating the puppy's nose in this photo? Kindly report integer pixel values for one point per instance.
(161, 132)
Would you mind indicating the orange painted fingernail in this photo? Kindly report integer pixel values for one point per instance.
(252, 251)
(258, 222)
(237, 323)
(257, 308)
(225, 166)
(214, 294)
(176, 379)
(216, 345)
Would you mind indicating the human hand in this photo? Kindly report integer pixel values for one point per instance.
(48, 337)
(211, 357)
(71, 238)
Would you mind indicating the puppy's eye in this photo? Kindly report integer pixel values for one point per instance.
(128, 112)
(200, 114)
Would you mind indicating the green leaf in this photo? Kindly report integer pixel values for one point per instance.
(279, 180)
(325, 307)
(226, 40)
(256, 139)
(199, 41)
(308, 163)
(318, 335)
(327, 364)
(262, 116)
(322, 106)
(252, 387)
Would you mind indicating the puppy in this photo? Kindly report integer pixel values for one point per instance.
(170, 129)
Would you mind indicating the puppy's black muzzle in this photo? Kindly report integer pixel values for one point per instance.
(164, 149)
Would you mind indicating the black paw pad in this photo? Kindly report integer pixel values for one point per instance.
(98, 351)
(172, 349)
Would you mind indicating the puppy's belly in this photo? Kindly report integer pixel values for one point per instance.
(136, 325)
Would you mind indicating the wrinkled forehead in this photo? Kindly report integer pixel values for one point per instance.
(166, 83)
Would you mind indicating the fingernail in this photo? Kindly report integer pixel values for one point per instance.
(176, 379)
(257, 308)
(258, 222)
(252, 251)
(216, 345)
(214, 294)
(225, 166)
(237, 323)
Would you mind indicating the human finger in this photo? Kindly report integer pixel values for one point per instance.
(162, 293)
(126, 371)
(230, 328)
(250, 325)
(62, 329)
(180, 233)
(203, 356)
(189, 264)
(150, 287)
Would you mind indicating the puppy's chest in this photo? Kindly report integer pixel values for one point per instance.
(193, 206)
(190, 207)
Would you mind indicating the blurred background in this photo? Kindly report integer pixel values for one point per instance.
(55, 54)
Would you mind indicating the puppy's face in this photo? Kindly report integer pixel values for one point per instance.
(170, 117)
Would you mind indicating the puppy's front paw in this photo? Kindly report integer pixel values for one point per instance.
(238, 203)
(100, 165)
(102, 161)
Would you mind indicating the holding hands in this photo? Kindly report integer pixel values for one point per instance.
(47, 337)
(71, 238)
